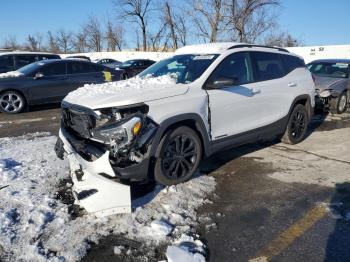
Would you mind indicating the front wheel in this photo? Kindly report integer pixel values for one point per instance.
(339, 106)
(297, 126)
(11, 102)
(180, 152)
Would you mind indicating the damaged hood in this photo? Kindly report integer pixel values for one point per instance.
(132, 91)
(323, 83)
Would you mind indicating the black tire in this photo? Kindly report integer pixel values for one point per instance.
(180, 152)
(339, 105)
(12, 102)
(297, 126)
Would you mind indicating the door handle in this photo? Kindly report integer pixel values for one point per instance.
(291, 84)
(254, 91)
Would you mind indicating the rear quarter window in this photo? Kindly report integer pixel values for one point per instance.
(23, 60)
(267, 66)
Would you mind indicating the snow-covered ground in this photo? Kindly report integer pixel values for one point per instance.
(36, 226)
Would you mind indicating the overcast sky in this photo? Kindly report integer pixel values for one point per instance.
(315, 22)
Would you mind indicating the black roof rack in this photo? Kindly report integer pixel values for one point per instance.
(264, 46)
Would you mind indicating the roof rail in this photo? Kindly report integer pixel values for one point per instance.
(264, 46)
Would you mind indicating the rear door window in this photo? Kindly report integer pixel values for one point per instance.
(6, 63)
(54, 69)
(267, 66)
(291, 62)
(22, 60)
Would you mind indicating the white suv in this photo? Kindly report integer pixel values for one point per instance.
(160, 124)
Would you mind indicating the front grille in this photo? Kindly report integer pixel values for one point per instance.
(78, 121)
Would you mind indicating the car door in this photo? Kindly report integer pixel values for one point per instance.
(276, 90)
(138, 67)
(81, 73)
(49, 83)
(233, 97)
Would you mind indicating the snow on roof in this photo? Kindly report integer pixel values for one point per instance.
(210, 48)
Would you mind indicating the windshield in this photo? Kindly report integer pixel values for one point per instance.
(31, 68)
(186, 68)
(330, 69)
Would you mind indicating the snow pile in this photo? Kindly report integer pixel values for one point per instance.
(131, 85)
(11, 74)
(35, 226)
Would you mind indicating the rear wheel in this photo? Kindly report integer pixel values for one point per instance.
(11, 102)
(297, 125)
(339, 105)
(180, 152)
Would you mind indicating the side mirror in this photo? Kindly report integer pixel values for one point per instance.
(38, 75)
(224, 82)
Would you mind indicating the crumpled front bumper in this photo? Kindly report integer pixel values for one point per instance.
(92, 190)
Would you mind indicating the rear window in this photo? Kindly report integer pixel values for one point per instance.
(268, 66)
(291, 62)
(6, 63)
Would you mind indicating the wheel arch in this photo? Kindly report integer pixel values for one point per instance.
(18, 91)
(191, 120)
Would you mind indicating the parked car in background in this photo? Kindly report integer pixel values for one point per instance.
(10, 61)
(80, 57)
(49, 81)
(204, 99)
(108, 62)
(332, 82)
(135, 66)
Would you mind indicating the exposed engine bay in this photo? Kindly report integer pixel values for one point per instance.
(126, 132)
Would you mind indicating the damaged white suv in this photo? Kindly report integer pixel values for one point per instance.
(160, 124)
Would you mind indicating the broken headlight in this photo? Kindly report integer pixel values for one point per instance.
(121, 133)
(326, 93)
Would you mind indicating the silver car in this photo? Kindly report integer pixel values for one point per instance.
(332, 83)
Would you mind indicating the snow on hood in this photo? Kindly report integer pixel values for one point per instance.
(126, 92)
(11, 74)
(326, 82)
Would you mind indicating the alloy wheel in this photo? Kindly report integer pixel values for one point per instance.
(11, 102)
(342, 102)
(298, 124)
(179, 157)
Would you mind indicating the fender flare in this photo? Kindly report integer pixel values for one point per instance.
(164, 126)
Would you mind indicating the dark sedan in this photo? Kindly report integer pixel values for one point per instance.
(49, 81)
(135, 66)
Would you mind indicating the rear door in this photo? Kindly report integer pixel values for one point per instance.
(6, 63)
(52, 86)
(81, 73)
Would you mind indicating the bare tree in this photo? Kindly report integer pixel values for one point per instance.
(10, 42)
(283, 39)
(94, 35)
(138, 11)
(181, 28)
(79, 42)
(169, 20)
(33, 42)
(64, 40)
(114, 36)
(249, 19)
(208, 16)
(52, 43)
(156, 38)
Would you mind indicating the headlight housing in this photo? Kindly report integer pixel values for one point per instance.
(121, 133)
(326, 93)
